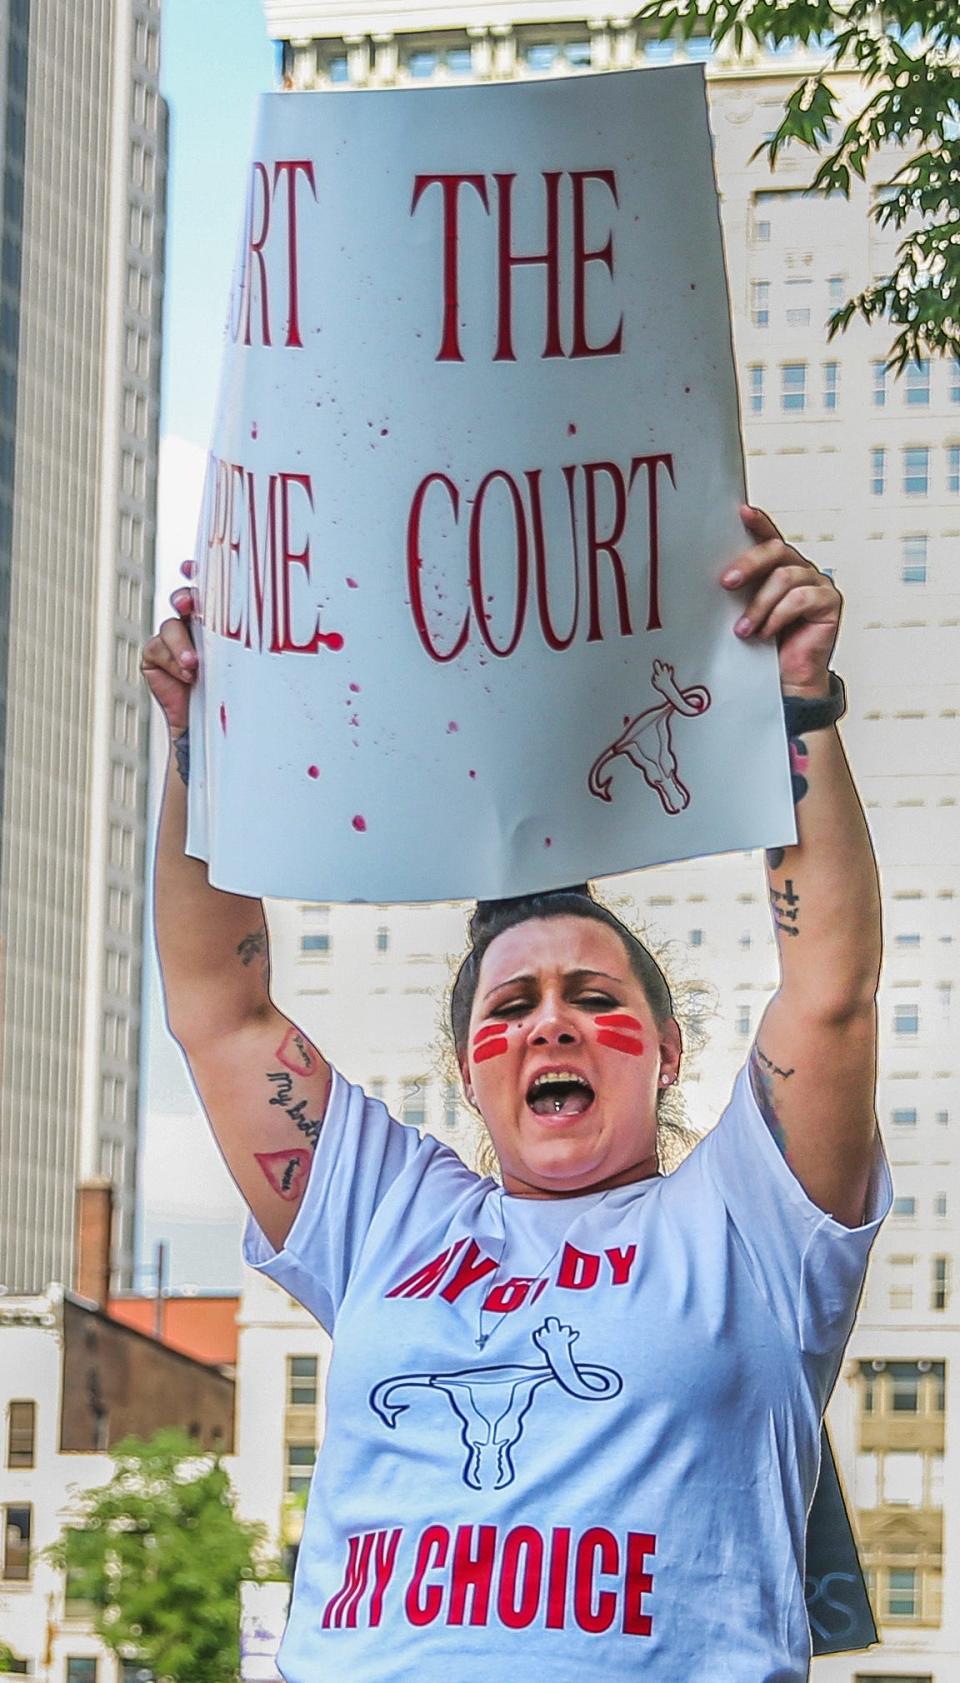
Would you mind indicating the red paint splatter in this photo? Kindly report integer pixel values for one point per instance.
(253, 430)
(354, 720)
(356, 689)
(352, 584)
(693, 286)
(571, 428)
(359, 822)
(686, 388)
(313, 771)
(384, 432)
(223, 718)
(452, 726)
(331, 640)
(548, 841)
(471, 774)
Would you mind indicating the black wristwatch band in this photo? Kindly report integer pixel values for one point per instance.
(802, 713)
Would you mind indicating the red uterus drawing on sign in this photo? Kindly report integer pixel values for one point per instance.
(647, 744)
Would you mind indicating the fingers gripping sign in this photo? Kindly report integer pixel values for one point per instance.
(786, 598)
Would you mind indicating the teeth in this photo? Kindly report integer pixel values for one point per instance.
(557, 1077)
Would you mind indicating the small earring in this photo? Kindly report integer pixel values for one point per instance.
(665, 1081)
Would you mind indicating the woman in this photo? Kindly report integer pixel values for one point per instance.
(573, 1420)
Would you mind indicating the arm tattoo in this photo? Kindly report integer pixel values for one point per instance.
(181, 752)
(763, 1071)
(295, 1109)
(286, 1171)
(785, 904)
(799, 763)
(254, 946)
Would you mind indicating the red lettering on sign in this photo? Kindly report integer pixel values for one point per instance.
(507, 259)
(521, 1573)
(450, 186)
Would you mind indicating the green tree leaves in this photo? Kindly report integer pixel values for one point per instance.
(907, 57)
(160, 1555)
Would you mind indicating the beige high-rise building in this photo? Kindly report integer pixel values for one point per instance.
(862, 472)
(83, 169)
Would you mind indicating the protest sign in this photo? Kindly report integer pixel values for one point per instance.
(475, 473)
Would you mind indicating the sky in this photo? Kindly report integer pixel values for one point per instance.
(216, 59)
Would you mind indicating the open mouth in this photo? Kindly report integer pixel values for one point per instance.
(560, 1093)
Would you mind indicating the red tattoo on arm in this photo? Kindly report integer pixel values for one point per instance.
(490, 1042)
(286, 1171)
(295, 1053)
(620, 1031)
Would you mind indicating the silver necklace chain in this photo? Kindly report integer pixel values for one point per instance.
(483, 1338)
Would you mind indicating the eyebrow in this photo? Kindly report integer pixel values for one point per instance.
(569, 975)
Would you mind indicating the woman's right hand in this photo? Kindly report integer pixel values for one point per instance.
(170, 661)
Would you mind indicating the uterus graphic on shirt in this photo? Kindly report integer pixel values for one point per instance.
(492, 1403)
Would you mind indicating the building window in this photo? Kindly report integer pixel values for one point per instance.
(413, 1104)
(757, 372)
(81, 1669)
(953, 469)
(761, 230)
(131, 1671)
(906, 1019)
(918, 383)
(905, 1384)
(460, 60)
(916, 471)
(15, 1566)
(451, 1104)
(901, 1283)
(909, 938)
(301, 1381)
(376, 1088)
(21, 1434)
(879, 385)
(835, 291)
(940, 1286)
(540, 55)
(913, 561)
(955, 380)
(338, 69)
(904, 1206)
(904, 1118)
(902, 1592)
(743, 1019)
(696, 937)
(794, 386)
(942, 1118)
(299, 1469)
(831, 384)
(422, 64)
(798, 302)
(760, 303)
(318, 943)
(878, 474)
(383, 939)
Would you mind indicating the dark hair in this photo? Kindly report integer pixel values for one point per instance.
(492, 917)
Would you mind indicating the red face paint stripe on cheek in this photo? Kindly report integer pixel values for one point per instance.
(490, 1031)
(489, 1049)
(620, 1042)
(619, 1020)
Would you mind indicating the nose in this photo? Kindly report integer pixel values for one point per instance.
(553, 1024)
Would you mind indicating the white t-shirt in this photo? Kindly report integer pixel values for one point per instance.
(568, 1438)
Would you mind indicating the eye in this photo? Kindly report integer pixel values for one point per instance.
(516, 1008)
(597, 1001)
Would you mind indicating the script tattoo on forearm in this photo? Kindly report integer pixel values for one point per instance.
(799, 766)
(785, 904)
(181, 753)
(763, 1072)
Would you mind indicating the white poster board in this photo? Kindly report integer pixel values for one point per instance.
(475, 474)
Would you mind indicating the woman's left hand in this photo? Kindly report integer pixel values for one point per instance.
(788, 598)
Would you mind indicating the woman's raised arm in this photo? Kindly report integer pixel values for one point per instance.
(813, 1063)
(263, 1085)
